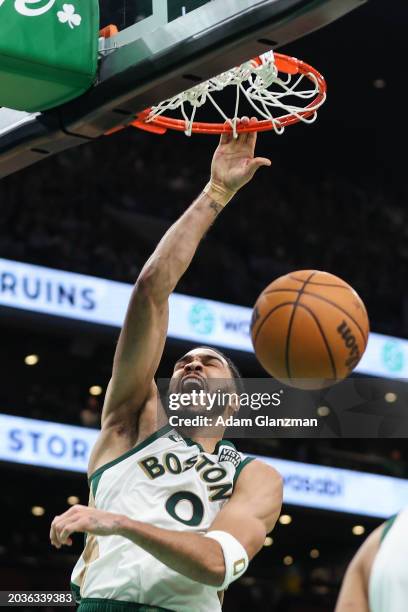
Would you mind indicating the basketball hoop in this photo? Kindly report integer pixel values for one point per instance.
(273, 84)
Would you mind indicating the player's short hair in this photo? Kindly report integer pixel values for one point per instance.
(236, 374)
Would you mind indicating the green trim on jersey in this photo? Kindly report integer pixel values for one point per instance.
(154, 436)
(92, 604)
(240, 468)
(387, 526)
(110, 605)
(76, 592)
(94, 481)
(191, 442)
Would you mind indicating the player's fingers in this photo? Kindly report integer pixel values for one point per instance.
(62, 530)
(261, 161)
(55, 526)
(252, 136)
(52, 537)
(75, 513)
(258, 162)
(243, 136)
(67, 530)
(53, 533)
(57, 532)
(226, 137)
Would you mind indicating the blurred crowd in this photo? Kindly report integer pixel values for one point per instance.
(102, 208)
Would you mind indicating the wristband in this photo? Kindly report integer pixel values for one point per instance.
(219, 194)
(235, 556)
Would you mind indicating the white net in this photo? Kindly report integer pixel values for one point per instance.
(272, 96)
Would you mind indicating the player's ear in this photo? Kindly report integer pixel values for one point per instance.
(234, 403)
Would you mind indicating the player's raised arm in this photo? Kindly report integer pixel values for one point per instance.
(353, 596)
(143, 335)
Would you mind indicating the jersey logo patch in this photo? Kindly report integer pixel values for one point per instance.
(176, 438)
(231, 455)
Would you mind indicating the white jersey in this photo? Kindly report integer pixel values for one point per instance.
(388, 587)
(168, 481)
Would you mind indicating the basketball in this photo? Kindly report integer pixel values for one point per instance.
(309, 329)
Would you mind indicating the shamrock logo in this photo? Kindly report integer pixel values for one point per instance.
(68, 15)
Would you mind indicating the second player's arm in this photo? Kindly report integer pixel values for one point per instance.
(248, 516)
(353, 596)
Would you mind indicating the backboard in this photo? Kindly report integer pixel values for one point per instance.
(163, 47)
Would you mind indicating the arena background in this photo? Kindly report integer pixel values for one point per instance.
(334, 200)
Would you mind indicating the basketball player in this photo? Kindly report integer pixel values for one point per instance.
(377, 578)
(172, 520)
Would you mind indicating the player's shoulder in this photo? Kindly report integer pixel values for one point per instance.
(123, 431)
(261, 468)
(258, 474)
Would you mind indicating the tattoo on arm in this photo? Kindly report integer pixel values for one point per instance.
(217, 208)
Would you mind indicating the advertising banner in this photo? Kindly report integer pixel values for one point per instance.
(67, 447)
(104, 302)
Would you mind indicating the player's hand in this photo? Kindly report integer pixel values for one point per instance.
(234, 162)
(85, 520)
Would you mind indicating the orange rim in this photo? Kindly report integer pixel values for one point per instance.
(284, 63)
(109, 31)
